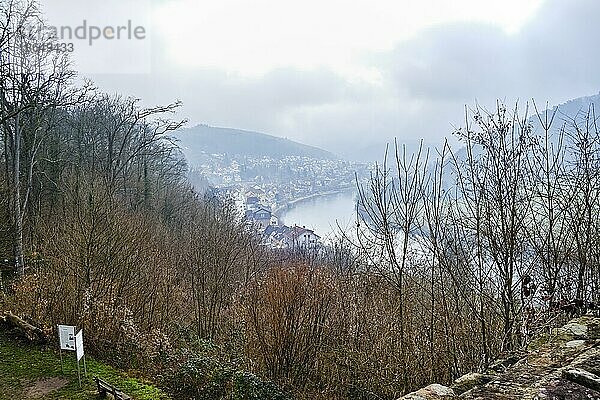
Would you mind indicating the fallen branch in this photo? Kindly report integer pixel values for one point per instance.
(32, 333)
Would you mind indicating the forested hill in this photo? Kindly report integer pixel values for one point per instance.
(574, 109)
(210, 139)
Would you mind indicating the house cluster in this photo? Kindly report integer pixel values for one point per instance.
(258, 213)
(280, 180)
(274, 234)
(295, 237)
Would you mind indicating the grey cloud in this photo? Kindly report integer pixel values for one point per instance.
(554, 56)
(427, 82)
(454, 62)
(221, 98)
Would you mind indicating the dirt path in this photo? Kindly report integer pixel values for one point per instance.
(42, 387)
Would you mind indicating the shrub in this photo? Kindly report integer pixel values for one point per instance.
(200, 376)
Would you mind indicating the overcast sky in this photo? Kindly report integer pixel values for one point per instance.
(347, 76)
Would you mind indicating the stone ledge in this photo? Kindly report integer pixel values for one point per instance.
(566, 366)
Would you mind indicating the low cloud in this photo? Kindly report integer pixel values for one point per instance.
(423, 83)
(553, 57)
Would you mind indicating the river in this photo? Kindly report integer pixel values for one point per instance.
(323, 213)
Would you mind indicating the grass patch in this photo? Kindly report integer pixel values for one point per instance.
(22, 365)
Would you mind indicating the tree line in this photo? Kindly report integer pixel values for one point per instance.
(459, 254)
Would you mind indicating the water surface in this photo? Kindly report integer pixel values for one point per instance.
(323, 214)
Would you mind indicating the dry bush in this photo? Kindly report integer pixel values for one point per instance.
(286, 314)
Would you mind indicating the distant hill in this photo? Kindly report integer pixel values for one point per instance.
(567, 112)
(572, 109)
(579, 107)
(209, 139)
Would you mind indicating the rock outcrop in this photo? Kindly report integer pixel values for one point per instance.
(432, 392)
(562, 365)
(469, 381)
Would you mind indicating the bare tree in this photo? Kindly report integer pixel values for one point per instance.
(584, 203)
(34, 82)
(497, 154)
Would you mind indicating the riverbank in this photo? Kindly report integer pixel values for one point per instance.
(294, 203)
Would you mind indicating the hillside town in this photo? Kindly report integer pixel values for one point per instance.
(263, 188)
(279, 181)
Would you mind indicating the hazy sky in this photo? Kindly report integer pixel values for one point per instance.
(347, 76)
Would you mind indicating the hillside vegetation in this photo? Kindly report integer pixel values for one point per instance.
(101, 229)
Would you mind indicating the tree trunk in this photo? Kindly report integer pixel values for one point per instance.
(32, 333)
(16, 212)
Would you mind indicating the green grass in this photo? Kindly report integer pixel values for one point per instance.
(22, 365)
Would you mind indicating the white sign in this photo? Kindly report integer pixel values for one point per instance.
(79, 344)
(66, 335)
